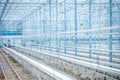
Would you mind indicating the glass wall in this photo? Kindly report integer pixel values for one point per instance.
(86, 30)
(77, 27)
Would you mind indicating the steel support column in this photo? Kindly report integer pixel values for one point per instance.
(119, 24)
(40, 21)
(40, 26)
(90, 27)
(75, 17)
(50, 23)
(110, 36)
(3, 10)
(119, 14)
(1, 32)
(57, 45)
(65, 27)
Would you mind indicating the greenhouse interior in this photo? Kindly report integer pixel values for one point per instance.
(59, 39)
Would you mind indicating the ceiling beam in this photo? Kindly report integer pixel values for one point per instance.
(4, 9)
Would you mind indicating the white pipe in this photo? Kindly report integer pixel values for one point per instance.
(79, 62)
(63, 33)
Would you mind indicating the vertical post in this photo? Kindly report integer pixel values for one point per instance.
(57, 49)
(40, 21)
(90, 27)
(36, 19)
(99, 33)
(65, 27)
(50, 23)
(119, 14)
(44, 26)
(110, 36)
(75, 16)
(119, 25)
(0, 27)
(1, 32)
(44, 22)
(40, 26)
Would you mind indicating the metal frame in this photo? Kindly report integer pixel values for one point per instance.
(90, 27)
(110, 37)
(75, 14)
(65, 27)
(57, 41)
(4, 9)
(50, 23)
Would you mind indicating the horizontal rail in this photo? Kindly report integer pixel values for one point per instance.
(94, 49)
(101, 60)
(101, 57)
(79, 62)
